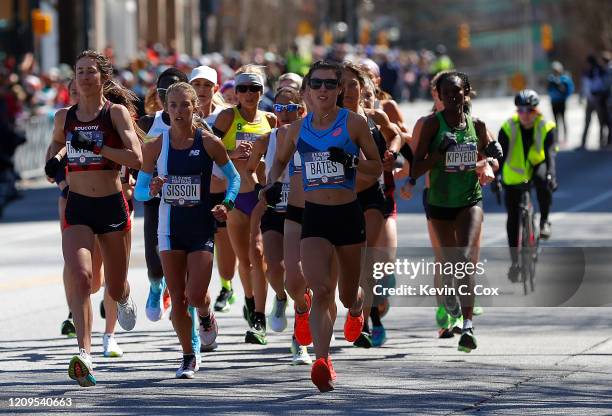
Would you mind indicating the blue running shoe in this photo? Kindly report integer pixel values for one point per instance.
(154, 310)
(379, 335)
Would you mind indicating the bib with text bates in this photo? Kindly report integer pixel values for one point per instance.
(319, 170)
(86, 157)
(182, 191)
(461, 157)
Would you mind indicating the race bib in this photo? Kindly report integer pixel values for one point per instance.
(461, 157)
(246, 137)
(182, 191)
(282, 205)
(124, 174)
(85, 157)
(320, 171)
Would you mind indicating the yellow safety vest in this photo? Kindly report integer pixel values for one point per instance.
(516, 169)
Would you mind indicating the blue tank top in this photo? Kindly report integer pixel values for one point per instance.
(185, 201)
(312, 145)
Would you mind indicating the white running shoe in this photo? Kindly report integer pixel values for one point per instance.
(208, 333)
(188, 367)
(111, 349)
(126, 314)
(278, 317)
(300, 354)
(81, 369)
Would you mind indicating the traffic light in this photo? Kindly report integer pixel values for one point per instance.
(463, 36)
(546, 37)
(41, 22)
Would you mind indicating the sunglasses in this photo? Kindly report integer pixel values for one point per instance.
(317, 83)
(526, 110)
(279, 108)
(251, 88)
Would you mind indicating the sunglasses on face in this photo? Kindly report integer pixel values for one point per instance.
(317, 83)
(251, 88)
(279, 108)
(526, 110)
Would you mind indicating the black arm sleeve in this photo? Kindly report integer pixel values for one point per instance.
(503, 140)
(218, 132)
(549, 152)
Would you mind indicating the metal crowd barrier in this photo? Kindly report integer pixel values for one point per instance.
(30, 157)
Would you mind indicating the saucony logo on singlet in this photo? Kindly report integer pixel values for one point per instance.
(194, 153)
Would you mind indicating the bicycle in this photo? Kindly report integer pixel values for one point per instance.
(528, 241)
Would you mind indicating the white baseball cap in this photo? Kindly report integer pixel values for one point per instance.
(204, 72)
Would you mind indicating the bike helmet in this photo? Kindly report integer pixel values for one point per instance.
(526, 98)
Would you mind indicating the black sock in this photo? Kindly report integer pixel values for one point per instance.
(69, 315)
(188, 356)
(250, 303)
(375, 315)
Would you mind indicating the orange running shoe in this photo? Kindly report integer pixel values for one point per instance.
(353, 326)
(166, 300)
(301, 325)
(331, 368)
(321, 375)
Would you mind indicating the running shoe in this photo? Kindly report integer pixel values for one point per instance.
(379, 335)
(545, 230)
(81, 369)
(300, 353)
(321, 375)
(166, 300)
(353, 326)
(444, 333)
(467, 342)
(514, 272)
(153, 309)
(257, 333)
(442, 317)
(248, 314)
(478, 310)
(451, 303)
(224, 300)
(456, 325)
(301, 324)
(364, 340)
(331, 368)
(188, 367)
(102, 310)
(110, 346)
(68, 328)
(208, 333)
(126, 314)
(278, 318)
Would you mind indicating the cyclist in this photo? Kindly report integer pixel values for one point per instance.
(528, 143)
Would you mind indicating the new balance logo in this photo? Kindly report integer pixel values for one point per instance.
(194, 153)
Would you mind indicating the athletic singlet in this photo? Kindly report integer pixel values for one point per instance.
(158, 126)
(381, 143)
(99, 130)
(212, 117)
(269, 160)
(317, 171)
(453, 180)
(184, 206)
(242, 130)
(295, 164)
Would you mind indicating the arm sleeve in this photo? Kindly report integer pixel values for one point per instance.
(549, 152)
(141, 190)
(233, 180)
(503, 140)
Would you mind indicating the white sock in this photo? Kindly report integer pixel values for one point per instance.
(467, 324)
